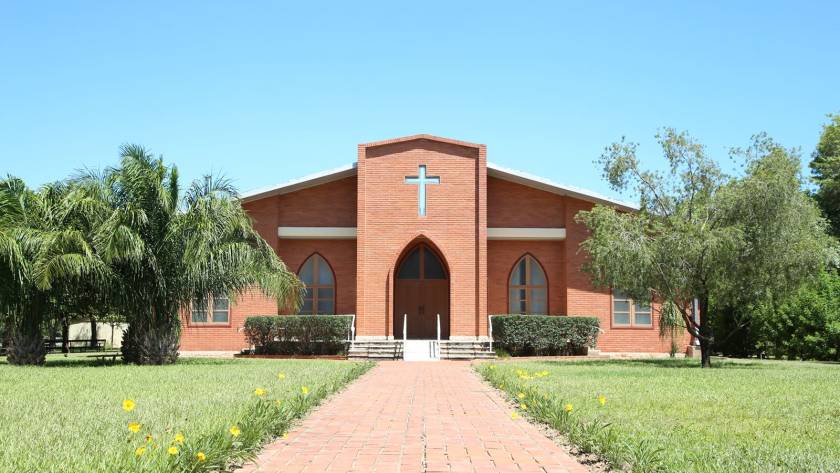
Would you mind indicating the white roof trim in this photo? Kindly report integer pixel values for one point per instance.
(316, 233)
(530, 180)
(311, 180)
(507, 233)
(493, 170)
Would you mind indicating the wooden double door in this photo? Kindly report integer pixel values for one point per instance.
(421, 293)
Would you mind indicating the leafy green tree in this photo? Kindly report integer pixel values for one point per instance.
(42, 258)
(726, 241)
(825, 168)
(168, 248)
(805, 325)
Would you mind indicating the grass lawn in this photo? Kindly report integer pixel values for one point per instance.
(68, 416)
(669, 415)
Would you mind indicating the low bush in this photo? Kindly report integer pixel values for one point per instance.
(525, 335)
(298, 334)
(802, 326)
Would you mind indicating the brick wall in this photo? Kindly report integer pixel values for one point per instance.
(514, 205)
(388, 222)
(384, 209)
(229, 337)
(329, 205)
(583, 299)
(503, 255)
(340, 254)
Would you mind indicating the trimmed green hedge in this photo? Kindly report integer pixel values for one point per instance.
(298, 334)
(527, 335)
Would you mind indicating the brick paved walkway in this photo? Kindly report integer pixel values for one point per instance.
(415, 417)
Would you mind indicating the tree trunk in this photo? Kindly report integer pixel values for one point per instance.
(93, 333)
(27, 343)
(706, 335)
(65, 336)
(152, 341)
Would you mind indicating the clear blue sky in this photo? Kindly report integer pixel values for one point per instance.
(266, 92)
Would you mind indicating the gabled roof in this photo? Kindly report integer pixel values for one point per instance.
(493, 170)
(423, 136)
(536, 182)
(304, 182)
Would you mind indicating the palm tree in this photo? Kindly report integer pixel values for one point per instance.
(167, 250)
(42, 258)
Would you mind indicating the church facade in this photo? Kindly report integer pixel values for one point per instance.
(421, 229)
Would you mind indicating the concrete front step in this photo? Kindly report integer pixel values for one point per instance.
(393, 350)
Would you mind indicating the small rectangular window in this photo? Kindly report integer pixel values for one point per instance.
(221, 310)
(642, 314)
(214, 311)
(629, 313)
(198, 312)
(621, 309)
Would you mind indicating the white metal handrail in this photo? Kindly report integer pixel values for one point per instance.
(405, 327)
(436, 353)
(353, 330)
(490, 330)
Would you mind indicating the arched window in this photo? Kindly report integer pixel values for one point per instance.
(528, 288)
(421, 263)
(317, 274)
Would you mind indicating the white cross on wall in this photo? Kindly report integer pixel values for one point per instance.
(421, 180)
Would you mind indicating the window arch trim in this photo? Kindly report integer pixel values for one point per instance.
(315, 286)
(529, 258)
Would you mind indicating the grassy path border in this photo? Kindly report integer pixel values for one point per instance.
(259, 421)
(590, 437)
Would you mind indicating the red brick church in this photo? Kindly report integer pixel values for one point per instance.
(421, 229)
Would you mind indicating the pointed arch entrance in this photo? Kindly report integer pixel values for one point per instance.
(421, 292)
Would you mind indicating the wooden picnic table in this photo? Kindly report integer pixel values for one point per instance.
(102, 357)
(55, 344)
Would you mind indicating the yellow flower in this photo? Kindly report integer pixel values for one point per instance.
(179, 438)
(234, 430)
(173, 450)
(134, 427)
(140, 451)
(514, 415)
(278, 402)
(200, 456)
(281, 376)
(128, 405)
(260, 392)
(148, 438)
(492, 367)
(568, 408)
(304, 390)
(521, 395)
(602, 399)
(285, 435)
(524, 406)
